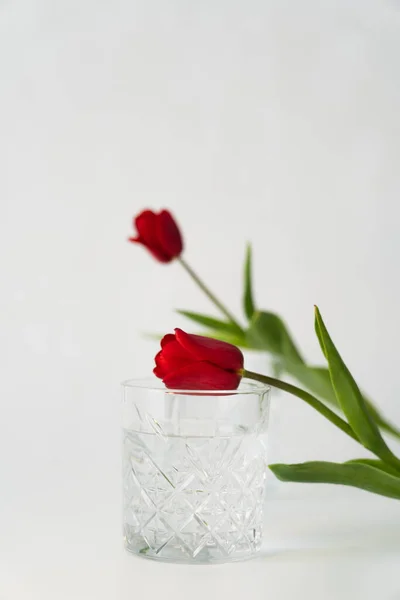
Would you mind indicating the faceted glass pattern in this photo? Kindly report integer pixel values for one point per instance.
(194, 467)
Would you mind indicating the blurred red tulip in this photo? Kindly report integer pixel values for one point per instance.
(159, 233)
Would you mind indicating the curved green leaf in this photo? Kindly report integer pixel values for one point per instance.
(374, 462)
(351, 399)
(248, 302)
(210, 322)
(268, 332)
(359, 475)
(232, 338)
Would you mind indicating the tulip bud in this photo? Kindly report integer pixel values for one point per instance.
(159, 233)
(194, 362)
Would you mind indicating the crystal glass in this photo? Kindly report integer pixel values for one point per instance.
(194, 469)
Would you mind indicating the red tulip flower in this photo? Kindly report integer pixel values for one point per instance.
(159, 233)
(194, 362)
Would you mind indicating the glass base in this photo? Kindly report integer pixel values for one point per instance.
(193, 499)
(205, 554)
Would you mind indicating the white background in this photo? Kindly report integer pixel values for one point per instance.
(271, 121)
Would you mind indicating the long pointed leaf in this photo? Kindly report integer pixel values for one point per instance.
(362, 476)
(248, 302)
(351, 399)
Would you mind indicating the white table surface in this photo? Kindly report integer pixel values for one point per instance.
(320, 542)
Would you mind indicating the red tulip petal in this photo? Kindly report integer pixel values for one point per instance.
(201, 376)
(145, 224)
(158, 254)
(221, 354)
(169, 337)
(159, 369)
(170, 358)
(168, 234)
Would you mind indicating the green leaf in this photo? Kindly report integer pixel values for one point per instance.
(360, 475)
(350, 397)
(319, 334)
(231, 338)
(248, 302)
(268, 332)
(374, 462)
(210, 322)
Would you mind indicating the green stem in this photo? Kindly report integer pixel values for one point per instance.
(210, 295)
(308, 398)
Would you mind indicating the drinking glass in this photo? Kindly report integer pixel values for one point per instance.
(194, 469)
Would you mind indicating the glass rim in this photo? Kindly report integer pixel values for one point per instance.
(246, 387)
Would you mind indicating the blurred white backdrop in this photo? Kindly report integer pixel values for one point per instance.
(275, 122)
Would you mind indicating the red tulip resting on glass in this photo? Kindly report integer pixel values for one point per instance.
(188, 361)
